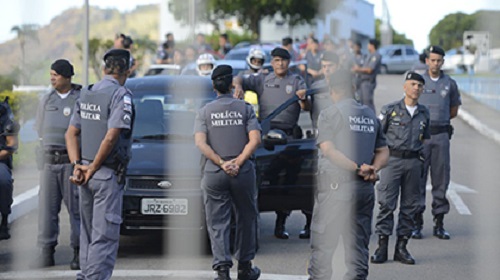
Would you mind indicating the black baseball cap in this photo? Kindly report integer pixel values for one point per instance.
(414, 76)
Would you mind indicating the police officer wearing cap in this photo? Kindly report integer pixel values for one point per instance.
(273, 89)
(368, 74)
(406, 126)
(103, 120)
(352, 150)
(53, 116)
(8, 145)
(442, 97)
(227, 132)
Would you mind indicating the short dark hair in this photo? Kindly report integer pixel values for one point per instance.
(286, 41)
(116, 65)
(374, 42)
(224, 35)
(342, 82)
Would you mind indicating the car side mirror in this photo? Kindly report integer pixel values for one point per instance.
(274, 137)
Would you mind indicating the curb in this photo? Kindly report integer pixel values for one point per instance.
(479, 126)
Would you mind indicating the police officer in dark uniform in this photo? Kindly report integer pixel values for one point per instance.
(442, 97)
(273, 89)
(53, 115)
(227, 132)
(406, 126)
(103, 119)
(353, 149)
(8, 145)
(322, 100)
(368, 74)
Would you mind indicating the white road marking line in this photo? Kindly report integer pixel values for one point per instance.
(453, 190)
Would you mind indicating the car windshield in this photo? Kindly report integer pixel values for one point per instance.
(165, 117)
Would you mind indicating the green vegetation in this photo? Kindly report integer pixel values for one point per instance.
(397, 38)
(25, 154)
(449, 31)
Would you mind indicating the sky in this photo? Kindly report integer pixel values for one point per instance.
(414, 18)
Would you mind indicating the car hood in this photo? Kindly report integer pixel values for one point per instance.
(164, 157)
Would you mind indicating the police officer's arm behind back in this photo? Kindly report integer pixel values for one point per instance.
(11, 146)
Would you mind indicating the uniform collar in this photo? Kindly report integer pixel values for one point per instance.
(111, 79)
(426, 73)
(227, 95)
(419, 109)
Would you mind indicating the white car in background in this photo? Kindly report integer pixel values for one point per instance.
(458, 60)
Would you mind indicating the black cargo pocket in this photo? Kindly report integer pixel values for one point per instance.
(113, 222)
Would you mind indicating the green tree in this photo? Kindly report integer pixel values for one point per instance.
(397, 38)
(97, 48)
(448, 32)
(248, 13)
(24, 32)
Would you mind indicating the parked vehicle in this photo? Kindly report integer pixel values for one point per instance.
(397, 58)
(162, 189)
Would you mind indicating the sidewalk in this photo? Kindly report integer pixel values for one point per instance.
(484, 119)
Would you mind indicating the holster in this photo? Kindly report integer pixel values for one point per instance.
(451, 130)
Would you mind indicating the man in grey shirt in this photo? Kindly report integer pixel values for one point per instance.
(368, 75)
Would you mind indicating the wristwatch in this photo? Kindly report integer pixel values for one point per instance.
(76, 162)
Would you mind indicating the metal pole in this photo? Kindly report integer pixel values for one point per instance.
(86, 45)
(192, 17)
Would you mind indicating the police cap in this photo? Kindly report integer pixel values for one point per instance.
(222, 71)
(330, 56)
(63, 68)
(280, 52)
(436, 50)
(414, 76)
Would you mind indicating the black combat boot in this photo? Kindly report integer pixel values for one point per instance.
(45, 258)
(279, 230)
(223, 273)
(75, 262)
(247, 272)
(4, 227)
(401, 254)
(439, 230)
(306, 232)
(419, 222)
(380, 255)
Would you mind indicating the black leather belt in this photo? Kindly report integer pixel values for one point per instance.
(438, 129)
(112, 165)
(56, 157)
(404, 154)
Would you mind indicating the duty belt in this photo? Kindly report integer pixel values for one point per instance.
(56, 157)
(404, 154)
(438, 129)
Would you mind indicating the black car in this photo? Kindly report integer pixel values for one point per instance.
(162, 189)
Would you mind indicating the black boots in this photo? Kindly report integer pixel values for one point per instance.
(380, 255)
(306, 232)
(247, 272)
(401, 254)
(439, 231)
(222, 273)
(279, 229)
(45, 258)
(4, 227)
(419, 222)
(75, 262)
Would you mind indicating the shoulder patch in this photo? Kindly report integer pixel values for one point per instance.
(127, 100)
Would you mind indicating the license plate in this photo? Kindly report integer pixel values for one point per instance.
(164, 206)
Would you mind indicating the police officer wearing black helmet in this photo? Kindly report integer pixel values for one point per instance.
(53, 116)
(273, 89)
(227, 133)
(352, 150)
(406, 127)
(8, 145)
(103, 120)
(442, 97)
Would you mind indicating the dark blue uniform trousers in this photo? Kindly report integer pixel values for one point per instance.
(55, 187)
(101, 209)
(221, 192)
(6, 188)
(343, 210)
(405, 176)
(437, 158)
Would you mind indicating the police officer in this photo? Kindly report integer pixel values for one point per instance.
(353, 149)
(8, 145)
(406, 126)
(227, 132)
(103, 119)
(442, 97)
(368, 74)
(273, 89)
(53, 115)
(322, 100)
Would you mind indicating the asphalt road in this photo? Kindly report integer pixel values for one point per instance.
(472, 252)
